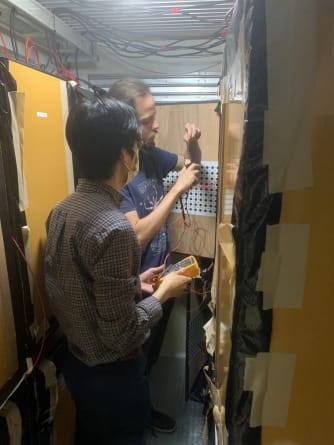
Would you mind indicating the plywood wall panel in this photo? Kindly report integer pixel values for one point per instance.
(172, 119)
(199, 238)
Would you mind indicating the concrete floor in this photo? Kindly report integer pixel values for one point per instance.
(167, 388)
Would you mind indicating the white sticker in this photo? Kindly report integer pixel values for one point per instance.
(41, 114)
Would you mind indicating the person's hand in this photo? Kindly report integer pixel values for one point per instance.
(191, 133)
(149, 277)
(173, 285)
(188, 177)
(191, 137)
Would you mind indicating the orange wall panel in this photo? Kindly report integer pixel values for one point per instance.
(308, 332)
(44, 155)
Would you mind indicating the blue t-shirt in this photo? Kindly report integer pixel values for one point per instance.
(143, 195)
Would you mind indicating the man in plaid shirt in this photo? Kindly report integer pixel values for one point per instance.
(92, 265)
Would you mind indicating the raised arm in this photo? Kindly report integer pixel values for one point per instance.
(146, 228)
(193, 151)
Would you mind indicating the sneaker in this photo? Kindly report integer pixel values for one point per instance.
(161, 422)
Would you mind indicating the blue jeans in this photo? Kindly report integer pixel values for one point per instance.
(112, 401)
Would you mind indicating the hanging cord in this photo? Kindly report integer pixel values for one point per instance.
(40, 300)
(41, 349)
(12, 32)
(44, 66)
(184, 211)
(29, 48)
(140, 49)
(76, 62)
(184, 223)
(62, 71)
(177, 242)
(56, 60)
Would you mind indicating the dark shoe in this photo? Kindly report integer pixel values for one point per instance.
(161, 422)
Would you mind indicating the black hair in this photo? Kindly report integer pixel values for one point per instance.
(97, 130)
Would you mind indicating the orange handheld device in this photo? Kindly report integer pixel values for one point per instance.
(189, 264)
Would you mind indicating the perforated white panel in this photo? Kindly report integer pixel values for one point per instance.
(202, 199)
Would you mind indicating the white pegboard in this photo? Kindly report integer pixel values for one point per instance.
(202, 199)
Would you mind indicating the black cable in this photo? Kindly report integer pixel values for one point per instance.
(126, 48)
(99, 92)
(184, 211)
(76, 63)
(12, 32)
(49, 50)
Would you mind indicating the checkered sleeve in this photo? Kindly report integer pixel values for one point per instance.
(122, 323)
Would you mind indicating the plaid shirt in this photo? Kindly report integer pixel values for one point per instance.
(92, 263)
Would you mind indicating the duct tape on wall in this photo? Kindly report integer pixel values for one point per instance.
(291, 65)
(210, 335)
(14, 422)
(218, 408)
(48, 369)
(269, 376)
(16, 101)
(283, 266)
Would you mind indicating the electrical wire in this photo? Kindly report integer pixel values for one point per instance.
(12, 32)
(76, 62)
(204, 301)
(176, 244)
(19, 383)
(28, 50)
(40, 300)
(126, 50)
(121, 47)
(38, 357)
(147, 70)
(113, 40)
(55, 59)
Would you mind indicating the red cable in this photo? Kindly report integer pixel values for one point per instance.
(182, 223)
(62, 71)
(28, 50)
(187, 225)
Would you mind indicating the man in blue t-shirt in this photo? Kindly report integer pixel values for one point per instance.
(146, 206)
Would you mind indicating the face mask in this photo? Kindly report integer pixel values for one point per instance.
(133, 173)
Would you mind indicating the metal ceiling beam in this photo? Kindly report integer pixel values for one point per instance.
(41, 15)
(172, 89)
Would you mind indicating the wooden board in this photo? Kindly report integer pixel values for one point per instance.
(199, 238)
